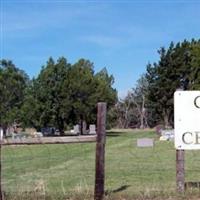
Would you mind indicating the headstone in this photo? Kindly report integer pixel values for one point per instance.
(1, 134)
(9, 131)
(76, 129)
(167, 132)
(92, 129)
(38, 134)
(84, 127)
(145, 142)
(14, 135)
(167, 135)
(72, 131)
(17, 136)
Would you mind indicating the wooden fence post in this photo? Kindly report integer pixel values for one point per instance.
(1, 195)
(180, 171)
(100, 151)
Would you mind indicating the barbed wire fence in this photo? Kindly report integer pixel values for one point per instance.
(54, 167)
(64, 167)
(46, 169)
(149, 172)
(141, 171)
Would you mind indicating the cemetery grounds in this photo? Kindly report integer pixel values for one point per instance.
(67, 171)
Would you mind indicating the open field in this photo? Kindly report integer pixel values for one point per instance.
(66, 171)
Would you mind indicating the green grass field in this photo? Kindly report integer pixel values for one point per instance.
(67, 171)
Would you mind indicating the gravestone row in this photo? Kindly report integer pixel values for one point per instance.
(91, 131)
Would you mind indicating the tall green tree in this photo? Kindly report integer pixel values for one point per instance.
(104, 88)
(78, 88)
(178, 67)
(85, 88)
(13, 83)
(64, 94)
(104, 92)
(195, 63)
(46, 94)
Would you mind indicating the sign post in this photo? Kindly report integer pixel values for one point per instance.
(180, 170)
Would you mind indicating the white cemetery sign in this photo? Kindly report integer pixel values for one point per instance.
(187, 119)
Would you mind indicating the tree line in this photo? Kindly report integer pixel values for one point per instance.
(65, 94)
(150, 102)
(61, 95)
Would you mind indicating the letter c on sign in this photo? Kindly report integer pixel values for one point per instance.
(183, 137)
(197, 102)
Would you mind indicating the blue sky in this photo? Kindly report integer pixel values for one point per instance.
(122, 36)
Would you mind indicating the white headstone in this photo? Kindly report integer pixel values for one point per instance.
(1, 134)
(76, 129)
(167, 135)
(92, 129)
(38, 134)
(145, 142)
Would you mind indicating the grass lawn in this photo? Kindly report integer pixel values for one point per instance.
(67, 171)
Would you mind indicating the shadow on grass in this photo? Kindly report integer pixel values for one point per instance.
(120, 189)
(114, 134)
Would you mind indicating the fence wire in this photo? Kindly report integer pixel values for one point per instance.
(48, 170)
(150, 171)
(67, 171)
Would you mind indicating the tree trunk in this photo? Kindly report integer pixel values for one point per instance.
(142, 113)
(4, 127)
(146, 125)
(166, 120)
(141, 121)
(126, 115)
(60, 123)
(81, 125)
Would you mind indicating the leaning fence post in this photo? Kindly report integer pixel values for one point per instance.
(100, 151)
(180, 171)
(1, 137)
